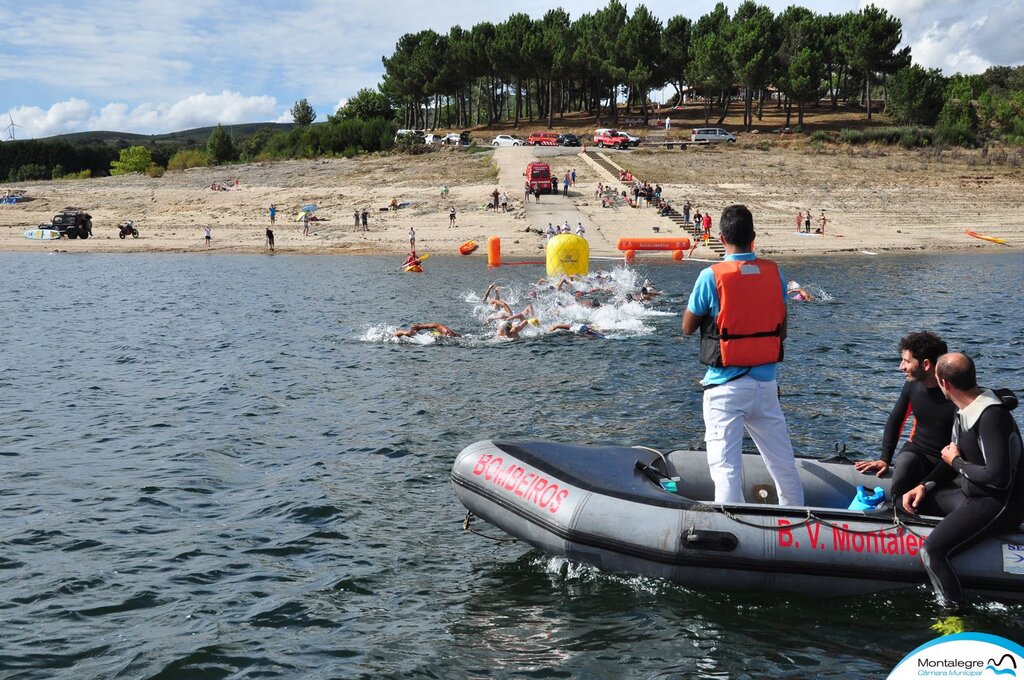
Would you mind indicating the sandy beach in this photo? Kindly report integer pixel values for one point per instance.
(876, 199)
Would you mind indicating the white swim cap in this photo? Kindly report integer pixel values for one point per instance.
(793, 285)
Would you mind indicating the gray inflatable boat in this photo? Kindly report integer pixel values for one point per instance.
(607, 506)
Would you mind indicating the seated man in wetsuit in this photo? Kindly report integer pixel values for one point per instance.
(932, 412)
(979, 483)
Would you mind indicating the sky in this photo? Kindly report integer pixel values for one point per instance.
(153, 66)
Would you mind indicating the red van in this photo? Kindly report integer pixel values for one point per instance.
(542, 139)
(538, 176)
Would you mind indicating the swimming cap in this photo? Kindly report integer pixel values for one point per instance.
(793, 285)
(584, 328)
(534, 322)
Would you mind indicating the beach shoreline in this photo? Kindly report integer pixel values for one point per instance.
(888, 201)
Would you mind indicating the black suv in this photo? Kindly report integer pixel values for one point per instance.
(568, 139)
(73, 223)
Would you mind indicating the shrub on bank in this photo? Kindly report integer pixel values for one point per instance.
(188, 158)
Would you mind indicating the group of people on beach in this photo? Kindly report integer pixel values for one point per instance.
(553, 230)
(963, 460)
(804, 218)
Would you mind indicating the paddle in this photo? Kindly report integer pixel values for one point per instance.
(419, 257)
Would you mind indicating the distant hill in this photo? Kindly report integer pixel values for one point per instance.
(193, 137)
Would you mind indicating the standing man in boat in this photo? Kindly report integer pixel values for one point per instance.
(933, 416)
(739, 305)
(978, 485)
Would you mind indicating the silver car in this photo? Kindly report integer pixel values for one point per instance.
(711, 135)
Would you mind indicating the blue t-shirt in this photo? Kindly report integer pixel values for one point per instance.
(704, 302)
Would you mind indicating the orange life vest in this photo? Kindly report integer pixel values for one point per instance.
(748, 328)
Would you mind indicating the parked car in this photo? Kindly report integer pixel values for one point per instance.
(456, 138)
(506, 140)
(432, 139)
(711, 135)
(610, 137)
(71, 222)
(538, 176)
(413, 134)
(542, 139)
(568, 139)
(633, 139)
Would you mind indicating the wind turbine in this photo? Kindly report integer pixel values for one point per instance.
(10, 128)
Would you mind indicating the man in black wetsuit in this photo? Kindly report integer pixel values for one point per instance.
(979, 485)
(933, 417)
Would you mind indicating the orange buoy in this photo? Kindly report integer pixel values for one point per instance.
(630, 255)
(494, 251)
(653, 243)
(677, 255)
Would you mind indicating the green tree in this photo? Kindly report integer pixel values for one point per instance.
(916, 95)
(132, 159)
(302, 113)
(804, 77)
(675, 50)
(958, 120)
(219, 146)
(752, 46)
(641, 45)
(710, 67)
(869, 43)
(365, 105)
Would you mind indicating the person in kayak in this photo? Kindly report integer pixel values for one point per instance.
(978, 485)
(739, 305)
(933, 416)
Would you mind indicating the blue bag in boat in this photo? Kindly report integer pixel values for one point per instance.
(867, 500)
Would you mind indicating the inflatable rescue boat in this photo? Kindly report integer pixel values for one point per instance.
(638, 511)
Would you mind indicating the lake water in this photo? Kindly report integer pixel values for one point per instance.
(220, 467)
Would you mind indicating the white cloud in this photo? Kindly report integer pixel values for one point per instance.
(198, 110)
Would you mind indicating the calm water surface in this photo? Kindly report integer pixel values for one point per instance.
(215, 467)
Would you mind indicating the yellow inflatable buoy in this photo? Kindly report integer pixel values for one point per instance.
(568, 254)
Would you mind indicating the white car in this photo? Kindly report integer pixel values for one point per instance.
(633, 139)
(432, 139)
(506, 140)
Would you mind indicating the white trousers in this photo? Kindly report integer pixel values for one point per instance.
(754, 405)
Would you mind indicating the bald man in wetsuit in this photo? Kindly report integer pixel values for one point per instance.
(932, 412)
(978, 486)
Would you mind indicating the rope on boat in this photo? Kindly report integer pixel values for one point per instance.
(897, 523)
(498, 539)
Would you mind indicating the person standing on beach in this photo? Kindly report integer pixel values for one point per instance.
(799, 219)
(536, 194)
(207, 234)
(746, 295)
(305, 224)
(412, 239)
(807, 221)
(504, 201)
(495, 195)
(365, 216)
(273, 214)
(451, 217)
(686, 212)
(355, 217)
(572, 176)
(822, 221)
(707, 226)
(270, 239)
(565, 186)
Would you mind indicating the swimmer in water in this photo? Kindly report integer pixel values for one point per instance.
(507, 329)
(798, 293)
(439, 328)
(579, 329)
